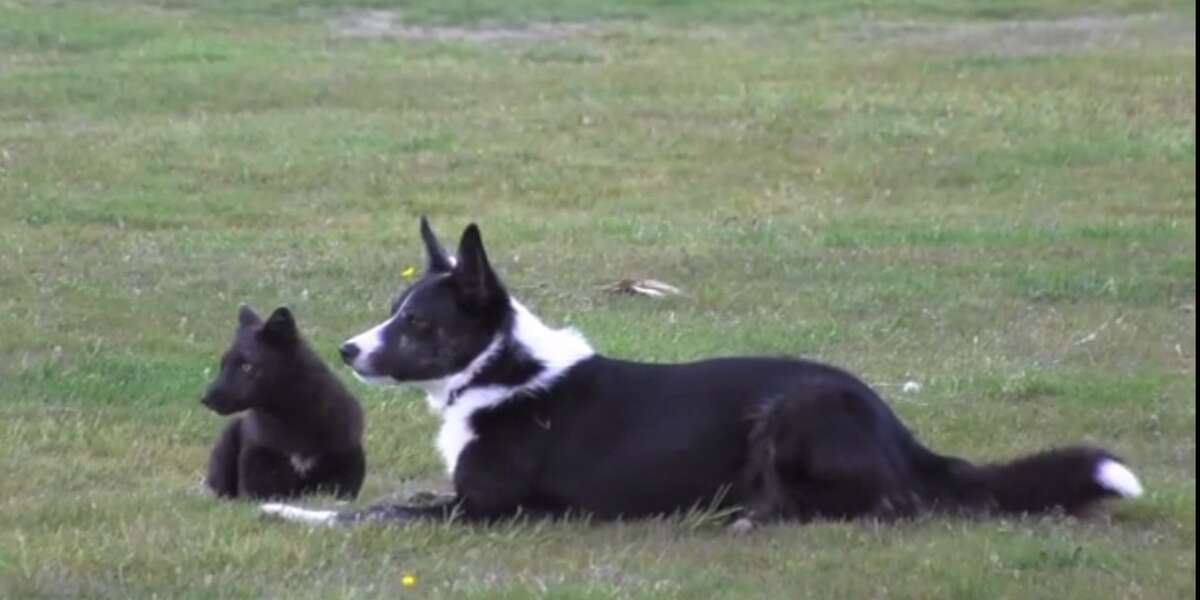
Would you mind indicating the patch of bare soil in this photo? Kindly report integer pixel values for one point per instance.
(1037, 37)
(385, 24)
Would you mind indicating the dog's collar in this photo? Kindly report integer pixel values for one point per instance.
(454, 394)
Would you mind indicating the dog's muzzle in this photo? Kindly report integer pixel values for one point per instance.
(349, 352)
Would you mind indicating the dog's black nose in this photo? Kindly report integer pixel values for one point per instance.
(349, 352)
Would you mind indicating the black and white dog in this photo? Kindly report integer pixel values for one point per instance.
(535, 422)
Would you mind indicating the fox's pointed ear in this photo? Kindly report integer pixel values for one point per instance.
(477, 283)
(280, 327)
(247, 317)
(437, 261)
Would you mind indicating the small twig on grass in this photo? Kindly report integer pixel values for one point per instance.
(643, 287)
(1091, 337)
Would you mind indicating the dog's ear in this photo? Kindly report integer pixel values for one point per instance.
(280, 327)
(437, 261)
(247, 317)
(477, 283)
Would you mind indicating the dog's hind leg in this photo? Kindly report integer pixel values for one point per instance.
(762, 496)
(222, 476)
(826, 454)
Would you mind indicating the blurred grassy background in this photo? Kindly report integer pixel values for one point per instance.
(993, 199)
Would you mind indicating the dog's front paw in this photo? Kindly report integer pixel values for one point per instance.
(297, 514)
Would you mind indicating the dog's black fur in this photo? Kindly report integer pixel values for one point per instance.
(768, 438)
(299, 430)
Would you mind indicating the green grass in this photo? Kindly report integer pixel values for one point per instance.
(1007, 219)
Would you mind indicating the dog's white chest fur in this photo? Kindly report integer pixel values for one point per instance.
(556, 349)
(456, 432)
(453, 437)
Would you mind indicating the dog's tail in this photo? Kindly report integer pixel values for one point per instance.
(1069, 479)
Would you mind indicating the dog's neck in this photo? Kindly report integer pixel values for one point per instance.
(532, 354)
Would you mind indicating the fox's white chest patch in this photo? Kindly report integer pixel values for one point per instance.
(303, 464)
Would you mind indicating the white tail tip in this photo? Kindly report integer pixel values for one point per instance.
(1117, 478)
(300, 515)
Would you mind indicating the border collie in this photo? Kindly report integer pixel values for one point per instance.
(535, 422)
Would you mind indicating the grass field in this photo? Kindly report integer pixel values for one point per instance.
(992, 199)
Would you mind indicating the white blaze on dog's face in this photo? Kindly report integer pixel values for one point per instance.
(440, 323)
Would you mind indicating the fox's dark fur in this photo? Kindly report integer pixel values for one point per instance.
(299, 431)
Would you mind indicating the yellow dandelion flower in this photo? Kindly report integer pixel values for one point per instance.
(408, 581)
(408, 272)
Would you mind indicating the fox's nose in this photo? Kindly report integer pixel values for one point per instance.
(349, 352)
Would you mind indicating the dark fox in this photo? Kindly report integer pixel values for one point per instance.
(299, 430)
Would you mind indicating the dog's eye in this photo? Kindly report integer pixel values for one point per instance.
(246, 368)
(417, 323)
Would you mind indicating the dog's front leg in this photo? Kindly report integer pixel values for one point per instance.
(440, 511)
